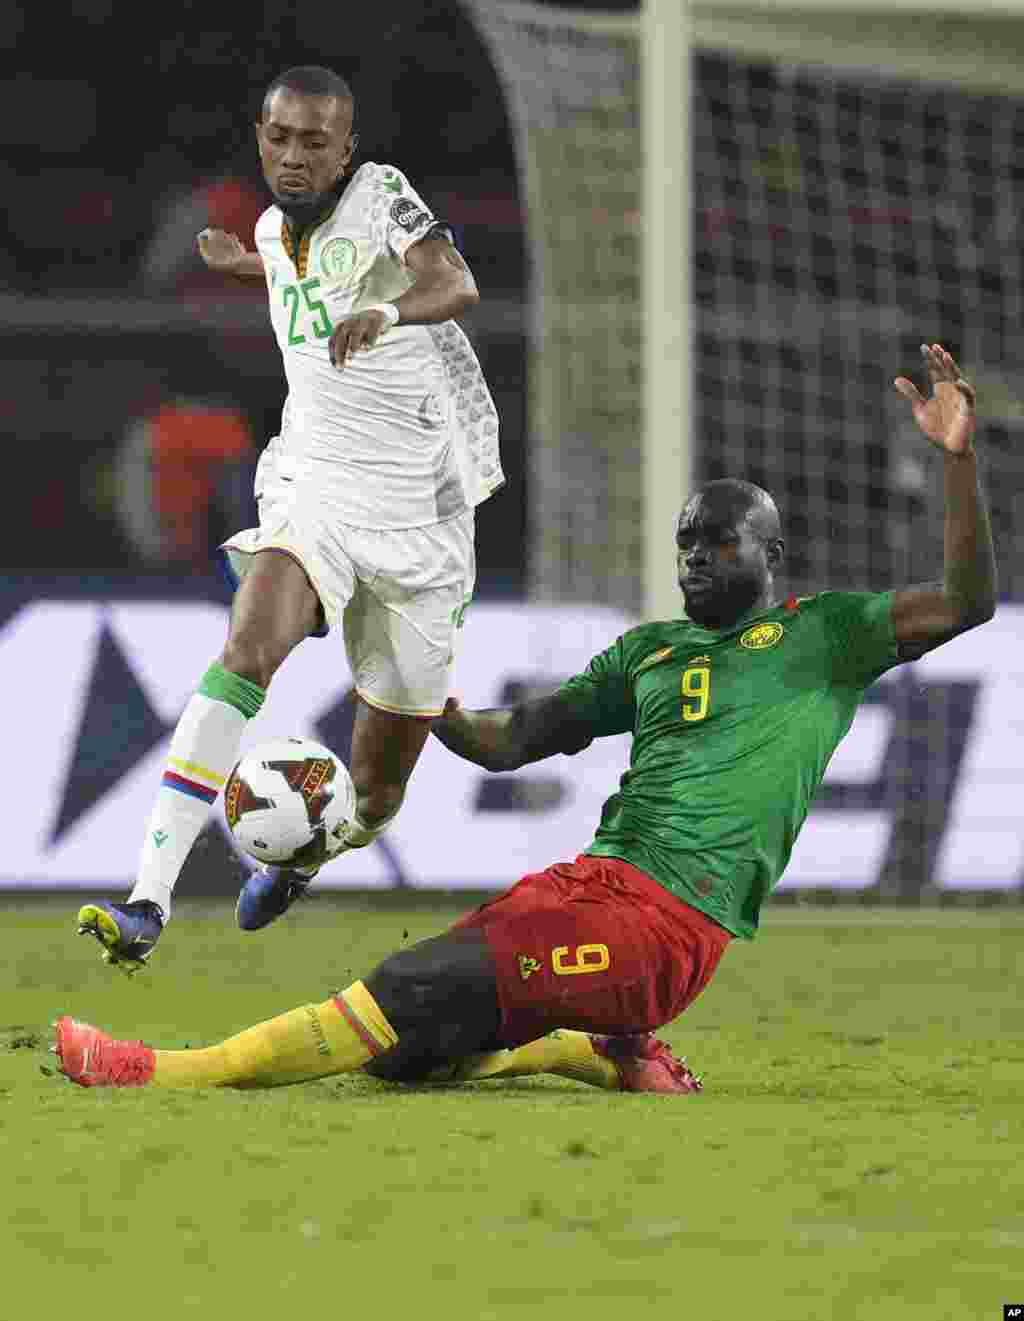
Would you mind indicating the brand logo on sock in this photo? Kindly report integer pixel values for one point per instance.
(317, 1028)
(527, 966)
(159, 837)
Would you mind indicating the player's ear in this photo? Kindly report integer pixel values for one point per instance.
(775, 552)
(353, 143)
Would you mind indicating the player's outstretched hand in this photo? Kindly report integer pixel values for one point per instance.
(222, 251)
(947, 417)
(356, 332)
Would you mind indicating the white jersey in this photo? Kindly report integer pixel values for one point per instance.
(406, 434)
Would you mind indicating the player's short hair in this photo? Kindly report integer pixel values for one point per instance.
(309, 80)
(757, 505)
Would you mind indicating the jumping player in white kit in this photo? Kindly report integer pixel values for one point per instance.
(389, 440)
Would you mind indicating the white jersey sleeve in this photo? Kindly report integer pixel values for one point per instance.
(401, 216)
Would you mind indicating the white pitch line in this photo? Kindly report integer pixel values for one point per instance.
(1011, 915)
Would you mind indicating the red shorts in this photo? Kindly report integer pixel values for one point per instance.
(597, 945)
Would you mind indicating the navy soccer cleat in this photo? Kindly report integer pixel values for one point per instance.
(128, 931)
(267, 894)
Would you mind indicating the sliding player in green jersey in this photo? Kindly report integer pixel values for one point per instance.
(735, 710)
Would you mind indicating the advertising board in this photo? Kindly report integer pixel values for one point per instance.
(926, 790)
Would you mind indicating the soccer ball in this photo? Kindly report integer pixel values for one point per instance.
(289, 801)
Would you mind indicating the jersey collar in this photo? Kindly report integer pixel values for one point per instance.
(299, 251)
(791, 603)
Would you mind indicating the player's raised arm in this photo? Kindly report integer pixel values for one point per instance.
(505, 738)
(227, 254)
(924, 617)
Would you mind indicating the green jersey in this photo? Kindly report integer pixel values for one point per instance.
(732, 731)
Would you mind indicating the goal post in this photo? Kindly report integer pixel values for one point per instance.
(600, 108)
(667, 321)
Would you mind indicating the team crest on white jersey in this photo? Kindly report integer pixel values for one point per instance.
(337, 257)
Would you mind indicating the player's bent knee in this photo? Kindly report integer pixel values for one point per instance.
(403, 1066)
(405, 989)
(442, 991)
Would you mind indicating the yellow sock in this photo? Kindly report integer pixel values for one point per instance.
(313, 1041)
(567, 1054)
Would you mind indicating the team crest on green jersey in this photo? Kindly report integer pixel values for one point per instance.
(761, 636)
(337, 257)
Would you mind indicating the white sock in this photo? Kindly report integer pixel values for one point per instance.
(203, 750)
(359, 834)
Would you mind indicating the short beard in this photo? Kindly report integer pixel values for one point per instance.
(302, 212)
(724, 608)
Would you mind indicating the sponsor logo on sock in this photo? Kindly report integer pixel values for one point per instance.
(159, 837)
(317, 1028)
(527, 966)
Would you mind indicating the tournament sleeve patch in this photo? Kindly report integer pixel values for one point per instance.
(408, 215)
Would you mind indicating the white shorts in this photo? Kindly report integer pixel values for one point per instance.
(398, 595)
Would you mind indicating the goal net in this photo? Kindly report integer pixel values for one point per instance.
(855, 189)
(572, 87)
(840, 216)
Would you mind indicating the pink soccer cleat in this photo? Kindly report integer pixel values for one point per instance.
(647, 1065)
(91, 1058)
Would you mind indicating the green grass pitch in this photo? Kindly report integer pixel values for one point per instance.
(856, 1155)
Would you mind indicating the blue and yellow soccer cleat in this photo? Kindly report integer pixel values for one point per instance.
(267, 894)
(128, 932)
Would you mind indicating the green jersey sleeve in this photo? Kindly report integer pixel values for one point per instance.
(602, 695)
(861, 636)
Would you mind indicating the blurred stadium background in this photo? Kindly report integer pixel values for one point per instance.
(828, 188)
